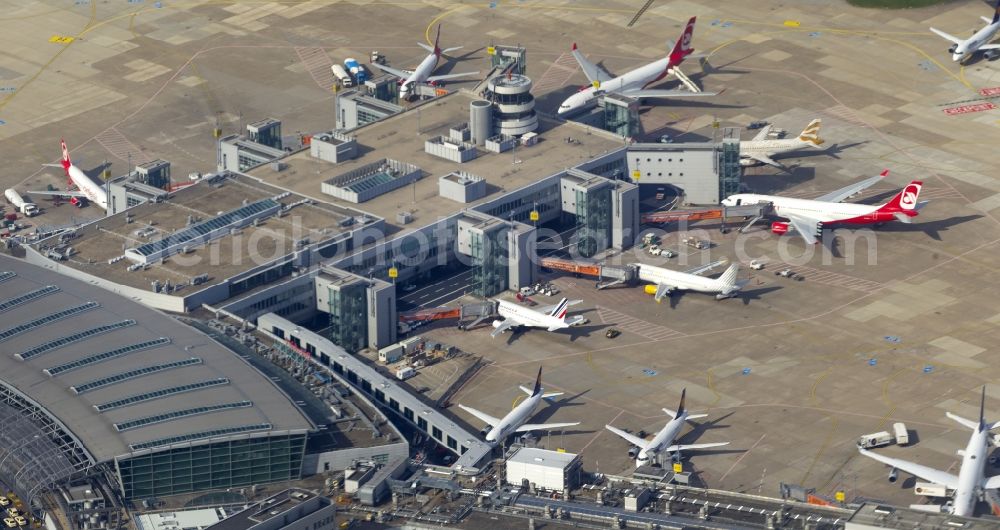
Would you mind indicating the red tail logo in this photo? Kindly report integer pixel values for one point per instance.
(66, 163)
(683, 46)
(437, 49)
(906, 200)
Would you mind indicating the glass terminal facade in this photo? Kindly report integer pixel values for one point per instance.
(593, 220)
(348, 309)
(729, 163)
(225, 464)
(489, 261)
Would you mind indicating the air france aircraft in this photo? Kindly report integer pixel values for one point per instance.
(498, 429)
(971, 481)
(552, 318)
(644, 452)
(634, 84)
(809, 217)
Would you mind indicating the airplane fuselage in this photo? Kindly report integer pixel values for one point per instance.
(971, 45)
(971, 475)
(514, 419)
(419, 75)
(769, 148)
(825, 212)
(678, 280)
(636, 79)
(662, 440)
(528, 317)
(88, 187)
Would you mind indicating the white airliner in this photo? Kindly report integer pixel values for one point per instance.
(667, 281)
(498, 429)
(809, 217)
(761, 148)
(644, 452)
(423, 71)
(971, 481)
(87, 188)
(634, 83)
(963, 49)
(551, 317)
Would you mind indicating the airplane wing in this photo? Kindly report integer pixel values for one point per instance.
(990, 47)
(762, 135)
(434, 78)
(764, 159)
(805, 227)
(403, 74)
(576, 320)
(857, 187)
(917, 470)
(660, 93)
(481, 415)
(688, 447)
(673, 414)
(591, 70)
(705, 268)
(944, 35)
(504, 326)
(630, 438)
(967, 423)
(662, 290)
(548, 308)
(544, 426)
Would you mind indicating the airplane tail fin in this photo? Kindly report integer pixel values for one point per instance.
(437, 39)
(982, 403)
(728, 278)
(810, 134)
(66, 163)
(538, 383)
(680, 407)
(559, 311)
(905, 202)
(682, 48)
(996, 12)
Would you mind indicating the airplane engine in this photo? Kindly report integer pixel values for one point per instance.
(486, 430)
(779, 228)
(633, 452)
(893, 475)
(496, 323)
(991, 54)
(953, 48)
(747, 162)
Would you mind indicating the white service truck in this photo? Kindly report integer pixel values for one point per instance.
(875, 439)
(341, 74)
(27, 208)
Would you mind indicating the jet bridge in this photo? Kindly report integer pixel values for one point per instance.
(752, 212)
(617, 274)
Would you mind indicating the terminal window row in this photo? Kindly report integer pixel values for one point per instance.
(661, 160)
(201, 435)
(178, 414)
(6, 275)
(132, 374)
(106, 356)
(27, 297)
(163, 392)
(70, 339)
(47, 319)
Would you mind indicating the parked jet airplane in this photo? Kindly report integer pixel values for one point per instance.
(979, 41)
(87, 188)
(422, 73)
(634, 83)
(667, 281)
(551, 317)
(644, 451)
(498, 429)
(761, 148)
(810, 217)
(971, 481)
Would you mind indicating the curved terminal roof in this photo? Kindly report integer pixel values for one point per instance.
(124, 378)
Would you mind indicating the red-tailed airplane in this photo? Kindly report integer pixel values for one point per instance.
(87, 188)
